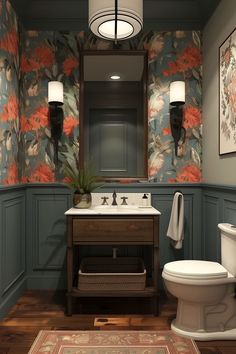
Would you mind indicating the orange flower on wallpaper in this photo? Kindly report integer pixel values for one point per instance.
(189, 173)
(166, 131)
(42, 173)
(39, 118)
(13, 107)
(10, 42)
(28, 65)
(192, 117)
(42, 57)
(25, 124)
(69, 65)
(69, 124)
(12, 175)
(190, 58)
(24, 179)
(10, 110)
(67, 180)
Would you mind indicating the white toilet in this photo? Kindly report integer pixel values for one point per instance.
(206, 292)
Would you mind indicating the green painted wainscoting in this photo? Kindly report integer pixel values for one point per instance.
(33, 230)
(46, 236)
(13, 270)
(219, 205)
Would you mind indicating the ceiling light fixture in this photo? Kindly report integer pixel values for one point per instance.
(116, 19)
(115, 77)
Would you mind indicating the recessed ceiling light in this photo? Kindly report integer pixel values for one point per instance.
(115, 77)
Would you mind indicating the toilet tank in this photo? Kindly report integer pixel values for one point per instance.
(228, 247)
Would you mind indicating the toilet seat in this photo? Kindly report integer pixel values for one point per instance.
(195, 269)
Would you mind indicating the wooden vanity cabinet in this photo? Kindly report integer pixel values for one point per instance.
(112, 230)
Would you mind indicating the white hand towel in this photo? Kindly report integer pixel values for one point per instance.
(176, 225)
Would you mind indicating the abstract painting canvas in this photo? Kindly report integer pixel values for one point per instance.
(227, 80)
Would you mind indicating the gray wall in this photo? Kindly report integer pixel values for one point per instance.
(216, 169)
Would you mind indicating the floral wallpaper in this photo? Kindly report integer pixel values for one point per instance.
(174, 56)
(54, 56)
(47, 56)
(27, 152)
(9, 94)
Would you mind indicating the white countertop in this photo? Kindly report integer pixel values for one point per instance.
(114, 210)
(133, 207)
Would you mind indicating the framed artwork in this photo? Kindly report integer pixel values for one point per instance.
(227, 95)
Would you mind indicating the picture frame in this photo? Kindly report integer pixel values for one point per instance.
(227, 95)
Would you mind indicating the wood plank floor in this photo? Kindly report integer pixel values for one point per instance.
(37, 310)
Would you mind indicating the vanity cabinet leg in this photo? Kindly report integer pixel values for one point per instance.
(69, 265)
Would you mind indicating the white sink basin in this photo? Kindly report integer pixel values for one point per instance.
(118, 209)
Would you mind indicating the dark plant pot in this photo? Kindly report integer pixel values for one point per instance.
(82, 201)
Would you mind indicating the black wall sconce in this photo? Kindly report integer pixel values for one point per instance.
(56, 115)
(177, 100)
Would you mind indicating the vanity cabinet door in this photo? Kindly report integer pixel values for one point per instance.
(113, 231)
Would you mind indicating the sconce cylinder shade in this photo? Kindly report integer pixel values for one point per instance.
(129, 18)
(55, 93)
(177, 93)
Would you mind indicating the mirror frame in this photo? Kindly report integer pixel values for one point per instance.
(82, 152)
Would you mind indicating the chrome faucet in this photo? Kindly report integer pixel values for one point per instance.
(114, 202)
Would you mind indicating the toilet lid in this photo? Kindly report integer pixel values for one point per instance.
(191, 269)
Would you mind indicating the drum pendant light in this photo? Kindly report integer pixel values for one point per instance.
(116, 19)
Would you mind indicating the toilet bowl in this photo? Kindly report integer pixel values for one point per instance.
(205, 291)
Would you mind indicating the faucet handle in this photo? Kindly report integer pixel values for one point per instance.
(124, 200)
(104, 200)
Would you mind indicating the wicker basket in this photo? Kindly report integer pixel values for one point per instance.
(105, 273)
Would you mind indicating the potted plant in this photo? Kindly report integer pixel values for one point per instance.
(81, 180)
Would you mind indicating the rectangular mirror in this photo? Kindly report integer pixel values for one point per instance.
(113, 113)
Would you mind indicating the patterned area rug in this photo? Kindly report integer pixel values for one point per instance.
(112, 342)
